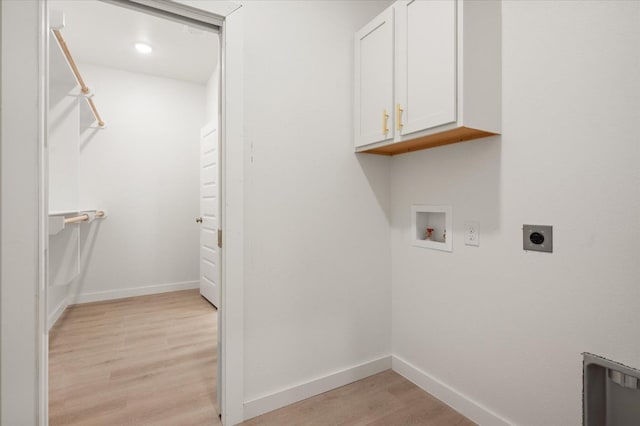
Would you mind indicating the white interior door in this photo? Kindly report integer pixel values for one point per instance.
(209, 215)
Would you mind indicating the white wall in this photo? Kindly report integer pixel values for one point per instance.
(507, 327)
(144, 170)
(62, 142)
(19, 203)
(317, 227)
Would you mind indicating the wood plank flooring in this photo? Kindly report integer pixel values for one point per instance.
(147, 360)
(151, 360)
(385, 399)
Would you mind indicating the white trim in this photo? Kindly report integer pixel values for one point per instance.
(219, 8)
(23, 303)
(57, 312)
(232, 148)
(314, 387)
(42, 349)
(450, 396)
(99, 296)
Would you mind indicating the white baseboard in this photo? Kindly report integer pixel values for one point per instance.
(57, 313)
(131, 292)
(314, 387)
(456, 400)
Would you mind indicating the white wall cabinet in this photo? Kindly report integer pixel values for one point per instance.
(445, 77)
(426, 65)
(374, 81)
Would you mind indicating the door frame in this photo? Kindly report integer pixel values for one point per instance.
(23, 328)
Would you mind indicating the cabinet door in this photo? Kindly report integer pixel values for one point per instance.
(374, 81)
(425, 64)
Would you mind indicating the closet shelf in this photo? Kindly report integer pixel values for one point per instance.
(84, 89)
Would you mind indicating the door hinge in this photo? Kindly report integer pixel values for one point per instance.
(220, 238)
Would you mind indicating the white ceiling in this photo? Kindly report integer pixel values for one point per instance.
(105, 34)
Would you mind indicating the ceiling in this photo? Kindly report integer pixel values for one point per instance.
(105, 34)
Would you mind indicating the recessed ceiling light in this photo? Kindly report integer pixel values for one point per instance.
(143, 48)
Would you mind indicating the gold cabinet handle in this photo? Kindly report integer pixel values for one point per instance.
(399, 117)
(385, 119)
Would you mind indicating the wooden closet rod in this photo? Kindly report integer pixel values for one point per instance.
(76, 219)
(83, 217)
(95, 112)
(83, 86)
(72, 63)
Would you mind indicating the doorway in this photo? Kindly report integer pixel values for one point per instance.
(24, 208)
(123, 207)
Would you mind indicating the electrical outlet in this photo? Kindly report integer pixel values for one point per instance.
(537, 238)
(472, 233)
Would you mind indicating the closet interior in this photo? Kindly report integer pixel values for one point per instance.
(132, 141)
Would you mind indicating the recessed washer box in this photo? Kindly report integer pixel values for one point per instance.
(431, 227)
(611, 393)
(537, 238)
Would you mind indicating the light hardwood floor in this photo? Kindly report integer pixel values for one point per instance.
(151, 360)
(137, 361)
(386, 399)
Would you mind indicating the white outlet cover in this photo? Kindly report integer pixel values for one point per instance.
(472, 233)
